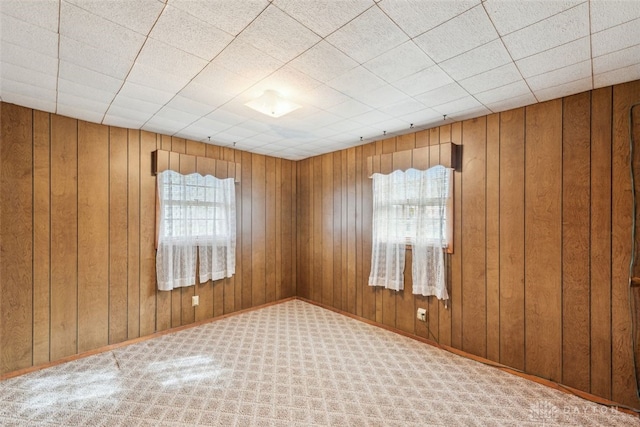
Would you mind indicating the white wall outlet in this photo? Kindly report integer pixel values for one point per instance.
(195, 300)
(422, 314)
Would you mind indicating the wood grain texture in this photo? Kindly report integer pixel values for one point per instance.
(512, 212)
(576, 217)
(600, 242)
(93, 239)
(455, 289)
(117, 240)
(258, 229)
(147, 260)
(492, 245)
(316, 224)
(16, 229)
(543, 240)
(474, 314)
(247, 289)
(270, 231)
(41, 236)
(327, 229)
(133, 235)
(64, 237)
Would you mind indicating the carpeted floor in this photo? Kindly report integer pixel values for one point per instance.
(288, 364)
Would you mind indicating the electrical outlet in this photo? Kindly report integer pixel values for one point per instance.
(422, 314)
(195, 300)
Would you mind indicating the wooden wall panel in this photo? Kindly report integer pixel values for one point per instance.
(16, 229)
(93, 239)
(576, 216)
(512, 211)
(543, 240)
(64, 237)
(455, 278)
(79, 221)
(492, 243)
(41, 236)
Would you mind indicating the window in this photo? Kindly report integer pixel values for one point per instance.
(196, 213)
(412, 208)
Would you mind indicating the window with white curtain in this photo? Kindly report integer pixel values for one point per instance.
(411, 208)
(197, 221)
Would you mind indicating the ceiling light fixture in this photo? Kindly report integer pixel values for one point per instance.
(272, 104)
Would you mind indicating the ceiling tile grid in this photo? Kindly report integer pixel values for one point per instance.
(361, 70)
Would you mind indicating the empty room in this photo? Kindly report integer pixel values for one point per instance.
(319, 212)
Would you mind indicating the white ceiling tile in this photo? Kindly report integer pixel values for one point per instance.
(226, 117)
(323, 97)
(323, 16)
(236, 133)
(138, 15)
(461, 34)
(188, 33)
(420, 117)
(549, 33)
(28, 90)
(509, 16)
(26, 58)
(218, 78)
(169, 59)
(73, 102)
(512, 90)
(288, 82)
(278, 35)
(390, 126)
(43, 13)
(557, 57)
(28, 76)
(323, 62)
(88, 57)
(356, 81)
(566, 89)
(402, 108)
(616, 38)
(492, 79)
(349, 108)
(173, 114)
(145, 93)
(442, 95)
(343, 126)
(619, 59)
(146, 75)
(205, 95)
(230, 16)
(247, 61)
(321, 119)
(122, 121)
(399, 62)
(80, 25)
(423, 81)
(22, 98)
(367, 36)
(210, 126)
(612, 77)
(71, 87)
(137, 116)
(85, 77)
(459, 107)
(29, 36)
(417, 16)
(163, 125)
(79, 113)
(383, 96)
(188, 105)
(561, 76)
(476, 61)
(511, 103)
(143, 107)
(371, 117)
(609, 13)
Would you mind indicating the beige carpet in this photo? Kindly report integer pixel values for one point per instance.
(288, 364)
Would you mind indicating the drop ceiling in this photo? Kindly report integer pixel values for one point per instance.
(361, 69)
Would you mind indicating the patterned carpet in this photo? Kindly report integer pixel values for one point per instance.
(288, 364)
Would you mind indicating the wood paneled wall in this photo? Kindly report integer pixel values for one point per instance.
(77, 231)
(539, 277)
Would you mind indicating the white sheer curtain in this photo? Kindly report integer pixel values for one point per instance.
(410, 208)
(196, 213)
(428, 269)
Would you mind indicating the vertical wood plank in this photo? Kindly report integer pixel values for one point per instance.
(493, 236)
(474, 315)
(368, 292)
(456, 257)
(229, 303)
(362, 234)
(147, 188)
(133, 235)
(444, 311)
(512, 238)
(41, 236)
(316, 212)
(600, 272)
(286, 220)
(64, 237)
(303, 227)
(117, 240)
(258, 228)
(337, 193)
(245, 231)
(351, 231)
(93, 237)
(278, 227)
(576, 167)
(327, 229)
(16, 231)
(543, 240)
(406, 142)
(270, 247)
(218, 286)
(422, 138)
